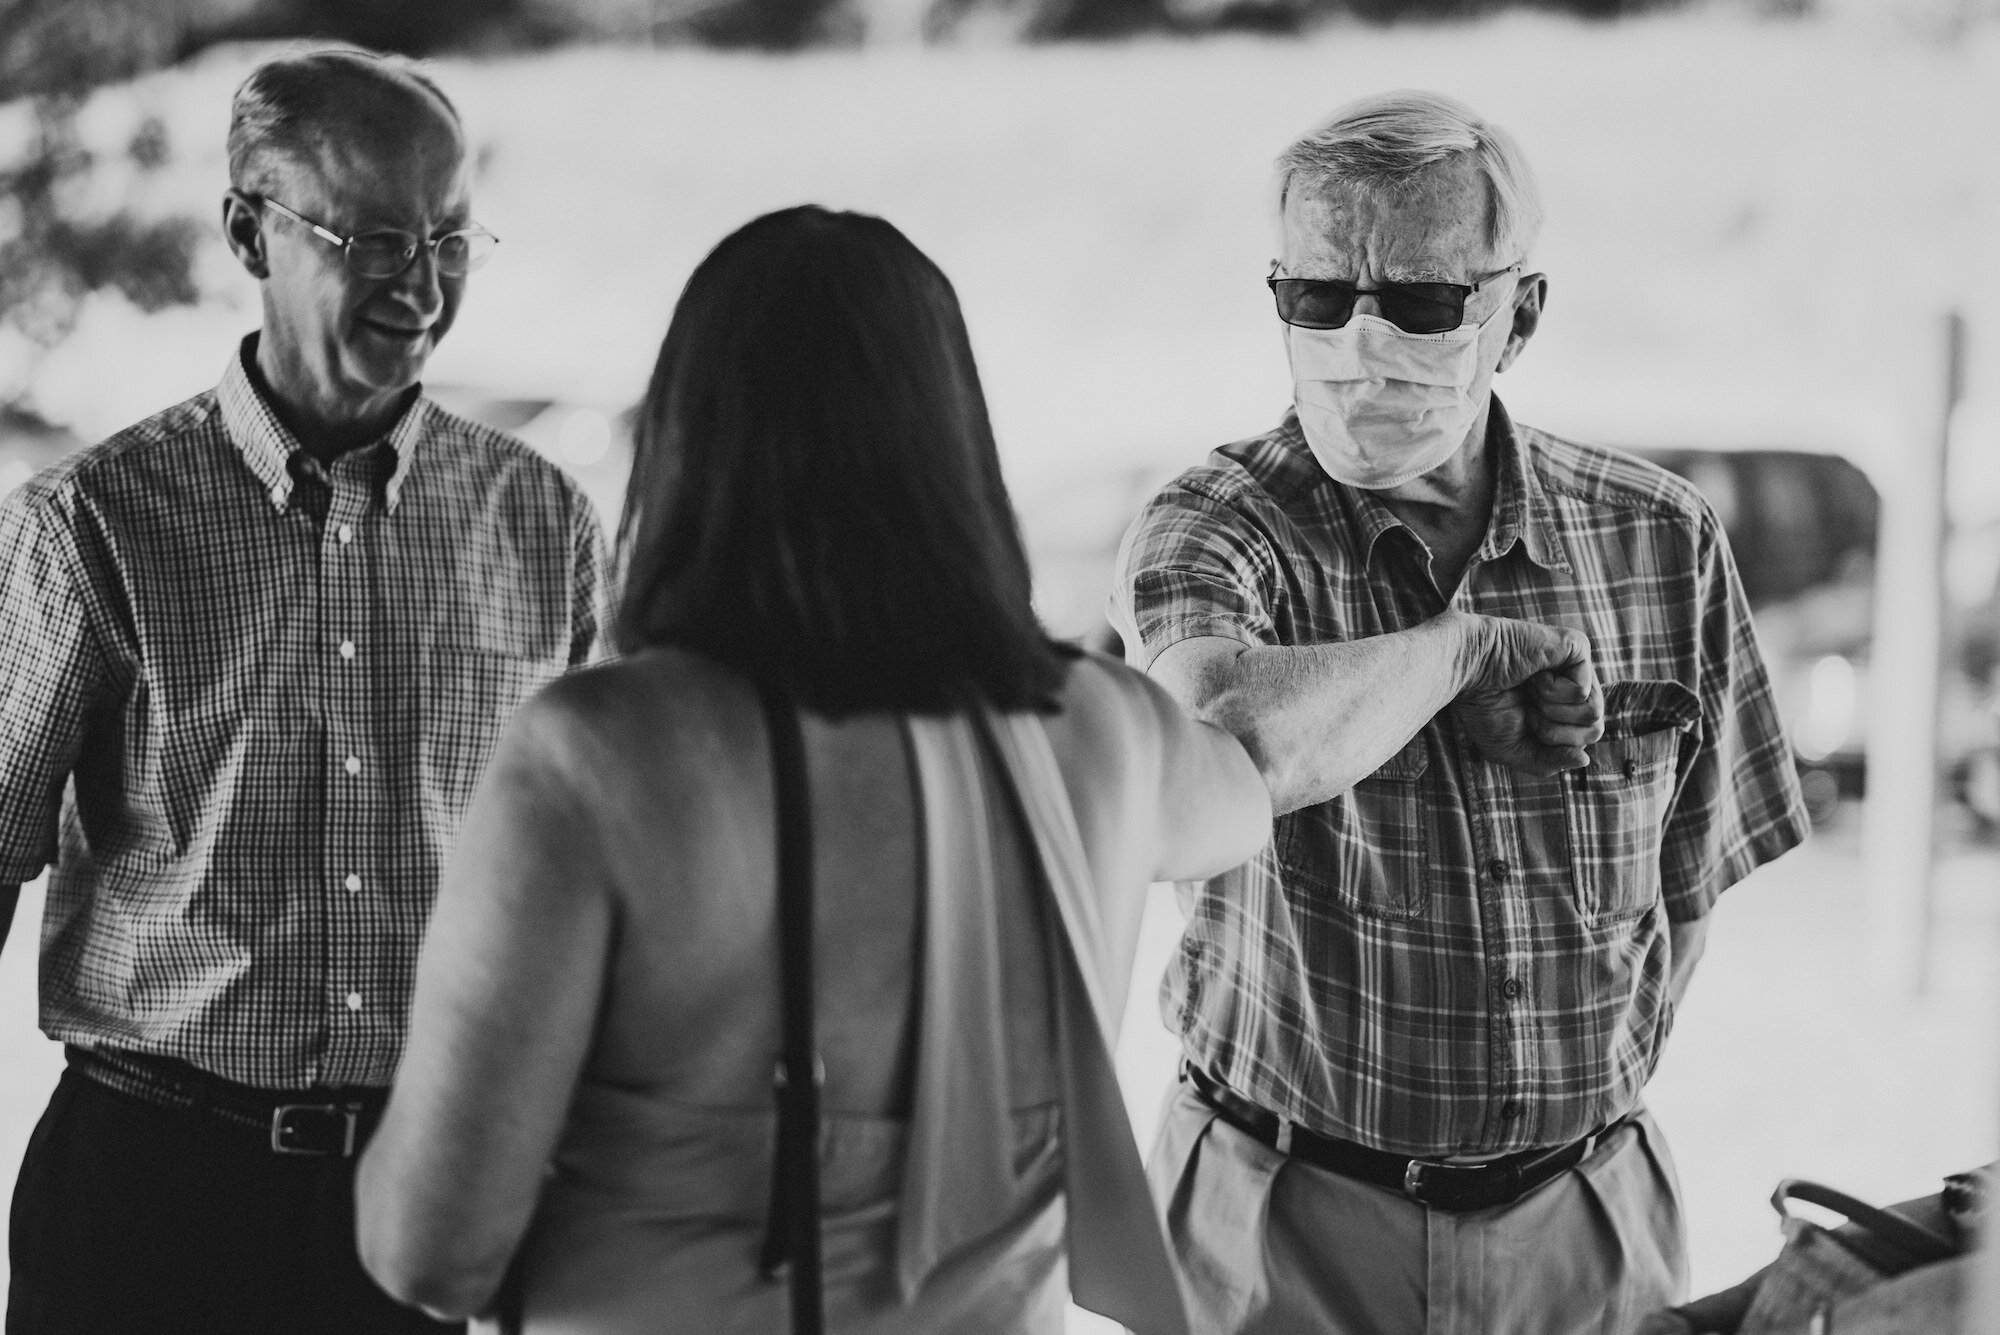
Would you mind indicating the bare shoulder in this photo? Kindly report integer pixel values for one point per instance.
(661, 710)
(1111, 718)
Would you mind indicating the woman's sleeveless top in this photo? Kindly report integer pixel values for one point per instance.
(970, 1216)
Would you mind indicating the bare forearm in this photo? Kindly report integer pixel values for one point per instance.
(1317, 719)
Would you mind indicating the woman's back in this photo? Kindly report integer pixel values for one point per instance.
(978, 881)
(683, 801)
(655, 1211)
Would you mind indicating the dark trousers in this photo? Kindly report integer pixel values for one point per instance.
(133, 1219)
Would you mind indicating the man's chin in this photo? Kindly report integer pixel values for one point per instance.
(385, 372)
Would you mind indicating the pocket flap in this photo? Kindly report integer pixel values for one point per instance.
(1635, 708)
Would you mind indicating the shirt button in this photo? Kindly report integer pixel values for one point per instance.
(354, 1001)
(1508, 1110)
(352, 765)
(353, 884)
(1497, 869)
(1631, 769)
(347, 648)
(1512, 989)
(346, 532)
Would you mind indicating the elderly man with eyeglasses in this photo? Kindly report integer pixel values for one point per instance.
(1417, 1028)
(254, 652)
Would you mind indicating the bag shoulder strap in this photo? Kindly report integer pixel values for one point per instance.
(791, 1229)
(1886, 1241)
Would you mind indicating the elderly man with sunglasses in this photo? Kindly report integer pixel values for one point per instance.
(1417, 1028)
(254, 652)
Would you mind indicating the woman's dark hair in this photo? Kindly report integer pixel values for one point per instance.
(816, 498)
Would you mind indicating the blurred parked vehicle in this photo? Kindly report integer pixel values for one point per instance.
(1803, 529)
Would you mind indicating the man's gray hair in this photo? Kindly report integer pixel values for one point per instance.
(291, 106)
(1387, 143)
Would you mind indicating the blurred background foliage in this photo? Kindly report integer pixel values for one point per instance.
(59, 243)
(51, 43)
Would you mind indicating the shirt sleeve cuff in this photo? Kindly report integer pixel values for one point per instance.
(1767, 845)
(1161, 633)
(20, 870)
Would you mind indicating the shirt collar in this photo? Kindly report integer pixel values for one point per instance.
(1520, 504)
(1294, 471)
(267, 445)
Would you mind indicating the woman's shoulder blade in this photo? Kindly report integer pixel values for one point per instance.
(669, 705)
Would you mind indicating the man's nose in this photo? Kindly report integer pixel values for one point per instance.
(1369, 304)
(421, 285)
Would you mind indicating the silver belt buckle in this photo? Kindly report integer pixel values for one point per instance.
(1413, 1176)
(350, 1118)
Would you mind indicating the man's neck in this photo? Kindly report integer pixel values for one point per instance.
(1451, 506)
(325, 431)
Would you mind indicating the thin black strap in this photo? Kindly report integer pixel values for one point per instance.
(791, 1230)
(1889, 1242)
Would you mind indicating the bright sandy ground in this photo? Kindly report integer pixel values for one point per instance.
(1754, 230)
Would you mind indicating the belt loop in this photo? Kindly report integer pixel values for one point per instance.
(1283, 1142)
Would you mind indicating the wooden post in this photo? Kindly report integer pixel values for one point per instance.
(1899, 818)
(1982, 1301)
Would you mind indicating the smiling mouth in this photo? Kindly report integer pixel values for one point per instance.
(398, 332)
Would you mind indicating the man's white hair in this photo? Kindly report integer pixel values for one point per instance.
(1388, 143)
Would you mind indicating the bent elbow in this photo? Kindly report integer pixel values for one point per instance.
(423, 1268)
(445, 1288)
(1270, 750)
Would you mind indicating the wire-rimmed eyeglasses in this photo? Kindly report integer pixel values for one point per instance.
(387, 251)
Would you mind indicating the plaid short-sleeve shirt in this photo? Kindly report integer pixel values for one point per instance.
(269, 688)
(1452, 957)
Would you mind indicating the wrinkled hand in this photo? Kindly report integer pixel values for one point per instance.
(1534, 703)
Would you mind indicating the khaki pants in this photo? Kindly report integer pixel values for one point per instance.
(1269, 1244)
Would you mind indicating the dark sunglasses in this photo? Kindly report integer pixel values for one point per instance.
(1415, 308)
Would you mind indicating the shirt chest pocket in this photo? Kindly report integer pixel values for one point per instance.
(1367, 848)
(1616, 808)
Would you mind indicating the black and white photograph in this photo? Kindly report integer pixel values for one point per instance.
(1000, 667)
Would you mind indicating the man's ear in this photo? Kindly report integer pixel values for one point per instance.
(1531, 294)
(243, 229)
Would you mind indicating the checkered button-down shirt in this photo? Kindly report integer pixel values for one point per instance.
(270, 687)
(1452, 957)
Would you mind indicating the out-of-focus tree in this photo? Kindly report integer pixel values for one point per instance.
(1064, 20)
(413, 27)
(64, 48)
(54, 252)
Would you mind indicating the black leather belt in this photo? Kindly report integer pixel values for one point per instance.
(326, 1122)
(1436, 1183)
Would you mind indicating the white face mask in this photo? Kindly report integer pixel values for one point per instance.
(1380, 406)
